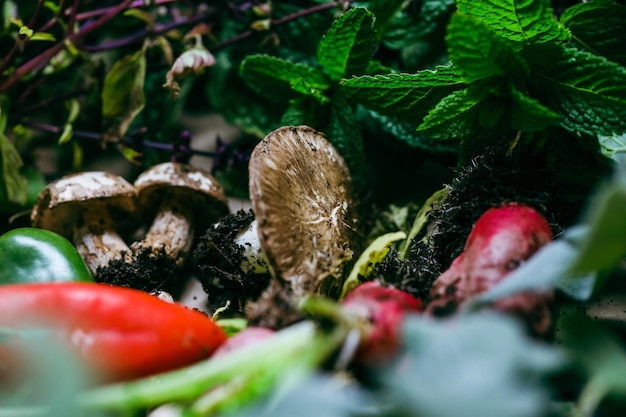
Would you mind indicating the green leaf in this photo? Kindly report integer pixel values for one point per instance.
(477, 52)
(455, 115)
(238, 104)
(42, 36)
(528, 115)
(374, 254)
(275, 78)
(606, 245)
(602, 357)
(406, 132)
(600, 26)
(407, 96)
(588, 91)
(385, 12)
(422, 219)
(410, 26)
(482, 362)
(612, 145)
(123, 95)
(524, 21)
(349, 44)
(14, 187)
(344, 133)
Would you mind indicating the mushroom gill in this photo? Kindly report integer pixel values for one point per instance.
(301, 193)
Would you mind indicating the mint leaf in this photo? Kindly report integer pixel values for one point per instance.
(588, 91)
(274, 78)
(406, 132)
(407, 96)
(349, 44)
(477, 52)
(526, 21)
(600, 26)
(409, 26)
(612, 145)
(123, 95)
(238, 104)
(455, 115)
(528, 115)
(345, 134)
(385, 12)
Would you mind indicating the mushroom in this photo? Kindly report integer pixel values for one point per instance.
(177, 200)
(301, 194)
(230, 263)
(89, 208)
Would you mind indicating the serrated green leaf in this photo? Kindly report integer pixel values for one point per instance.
(303, 111)
(524, 21)
(274, 78)
(600, 26)
(588, 91)
(407, 96)
(478, 53)
(123, 95)
(455, 115)
(344, 133)
(303, 87)
(407, 132)
(526, 114)
(349, 44)
(385, 11)
(374, 254)
(238, 104)
(410, 27)
(613, 145)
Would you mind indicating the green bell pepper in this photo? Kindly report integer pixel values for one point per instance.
(30, 254)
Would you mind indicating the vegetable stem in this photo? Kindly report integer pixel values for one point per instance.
(303, 342)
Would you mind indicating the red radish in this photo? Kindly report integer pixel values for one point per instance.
(382, 310)
(501, 239)
(245, 337)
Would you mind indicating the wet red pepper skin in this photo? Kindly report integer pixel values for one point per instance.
(120, 333)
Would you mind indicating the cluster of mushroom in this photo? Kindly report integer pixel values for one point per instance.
(303, 231)
(99, 211)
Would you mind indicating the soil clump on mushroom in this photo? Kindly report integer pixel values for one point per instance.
(217, 260)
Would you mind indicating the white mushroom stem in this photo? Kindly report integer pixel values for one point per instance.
(171, 231)
(254, 259)
(98, 246)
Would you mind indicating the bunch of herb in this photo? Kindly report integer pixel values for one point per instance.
(394, 85)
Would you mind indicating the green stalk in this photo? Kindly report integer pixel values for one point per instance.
(302, 343)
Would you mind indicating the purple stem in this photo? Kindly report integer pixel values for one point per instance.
(174, 148)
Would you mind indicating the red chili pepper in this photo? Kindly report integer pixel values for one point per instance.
(120, 333)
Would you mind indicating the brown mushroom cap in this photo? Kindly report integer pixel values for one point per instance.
(185, 188)
(62, 205)
(301, 194)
